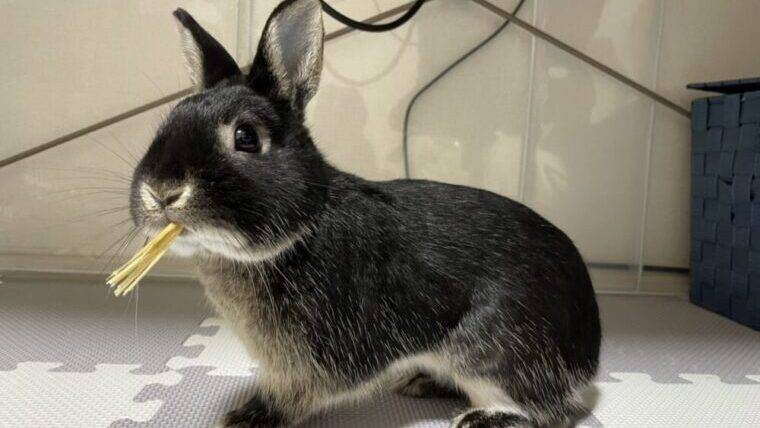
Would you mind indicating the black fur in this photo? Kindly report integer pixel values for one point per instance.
(484, 419)
(257, 411)
(425, 386)
(215, 62)
(379, 272)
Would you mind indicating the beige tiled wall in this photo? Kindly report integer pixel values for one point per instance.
(72, 199)
(471, 127)
(67, 64)
(370, 79)
(521, 117)
(588, 145)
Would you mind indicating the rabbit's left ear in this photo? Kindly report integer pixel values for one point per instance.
(208, 61)
(288, 62)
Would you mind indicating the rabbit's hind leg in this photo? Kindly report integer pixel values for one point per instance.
(492, 406)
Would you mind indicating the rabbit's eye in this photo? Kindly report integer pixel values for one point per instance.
(246, 139)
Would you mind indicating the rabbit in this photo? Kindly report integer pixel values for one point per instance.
(341, 287)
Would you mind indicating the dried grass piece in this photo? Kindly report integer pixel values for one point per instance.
(126, 277)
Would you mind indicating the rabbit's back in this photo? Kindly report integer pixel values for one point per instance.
(448, 250)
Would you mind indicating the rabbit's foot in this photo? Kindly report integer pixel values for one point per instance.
(254, 413)
(424, 386)
(486, 418)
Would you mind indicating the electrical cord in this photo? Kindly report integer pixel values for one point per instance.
(437, 78)
(373, 28)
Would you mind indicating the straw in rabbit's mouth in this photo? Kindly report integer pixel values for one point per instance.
(129, 275)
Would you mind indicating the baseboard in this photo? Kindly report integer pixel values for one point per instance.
(77, 267)
(86, 268)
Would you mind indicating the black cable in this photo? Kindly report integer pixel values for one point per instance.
(441, 75)
(373, 28)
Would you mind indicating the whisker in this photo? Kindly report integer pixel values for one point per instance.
(118, 243)
(92, 176)
(120, 189)
(137, 303)
(82, 192)
(98, 179)
(100, 213)
(106, 148)
(48, 227)
(123, 243)
(124, 147)
(106, 172)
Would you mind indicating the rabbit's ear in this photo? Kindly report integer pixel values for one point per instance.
(289, 58)
(208, 61)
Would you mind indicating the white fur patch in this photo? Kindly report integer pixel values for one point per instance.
(485, 394)
(184, 247)
(482, 393)
(148, 197)
(493, 410)
(235, 246)
(184, 197)
(396, 373)
(152, 199)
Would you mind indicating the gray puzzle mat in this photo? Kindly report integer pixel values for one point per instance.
(73, 356)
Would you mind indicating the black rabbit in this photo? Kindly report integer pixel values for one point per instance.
(339, 286)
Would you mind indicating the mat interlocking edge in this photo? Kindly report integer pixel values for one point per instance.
(72, 356)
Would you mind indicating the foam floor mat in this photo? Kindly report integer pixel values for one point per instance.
(71, 355)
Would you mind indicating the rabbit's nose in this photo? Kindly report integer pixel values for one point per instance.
(172, 198)
(175, 198)
(167, 197)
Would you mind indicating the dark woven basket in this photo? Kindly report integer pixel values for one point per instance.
(725, 195)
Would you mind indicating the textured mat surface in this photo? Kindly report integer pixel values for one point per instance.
(73, 356)
(81, 325)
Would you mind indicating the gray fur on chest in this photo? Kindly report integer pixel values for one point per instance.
(239, 293)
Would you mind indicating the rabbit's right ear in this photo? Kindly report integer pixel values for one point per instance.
(208, 61)
(288, 63)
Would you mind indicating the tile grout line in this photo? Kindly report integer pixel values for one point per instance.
(529, 116)
(164, 100)
(650, 145)
(559, 44)
(484, 3)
